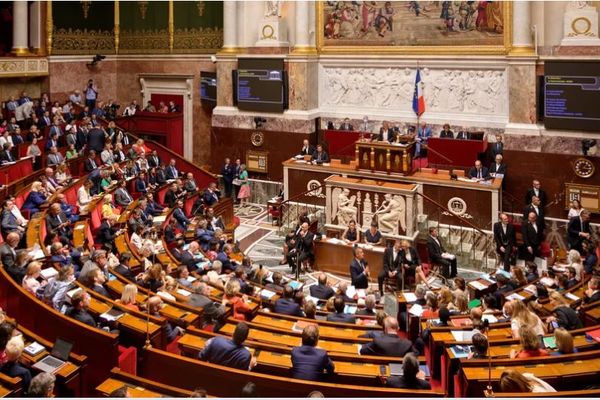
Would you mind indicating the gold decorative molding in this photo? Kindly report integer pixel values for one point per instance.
(200, 5)
(143, 7)
(20, 51)
(521, 51)
(139, 42)
(49, 27)
(171, 25)
(85, 8)
(117, 26)
(198, 40)
(304, 50)
(69, 41)
(21, 67)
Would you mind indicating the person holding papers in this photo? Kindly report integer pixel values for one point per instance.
(438, 254)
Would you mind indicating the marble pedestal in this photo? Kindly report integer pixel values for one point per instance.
(272, 33)
(581, 28)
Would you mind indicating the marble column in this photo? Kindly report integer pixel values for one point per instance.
(230, 26)
(302, 31)
(20, 29)
(522, 41)
(36, 26)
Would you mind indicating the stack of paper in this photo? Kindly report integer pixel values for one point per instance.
(489, 318)
(34, 349)
(462, 336)
(515, 296)
(477, 285)
(416, 310)
(266, 294)
(547, 281)
(184, 292)
(531, 289)
(410, 297)
(571, 296)
(48, 273)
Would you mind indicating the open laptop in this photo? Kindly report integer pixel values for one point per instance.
(57, 358)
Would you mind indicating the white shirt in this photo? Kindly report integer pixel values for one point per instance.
(17, 213)
(137, 241)
(83, 198)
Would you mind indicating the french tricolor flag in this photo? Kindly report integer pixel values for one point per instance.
(418, 100)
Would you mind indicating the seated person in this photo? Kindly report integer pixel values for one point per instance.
(373, 235)
(320, 156)
(351, 234)
(286, 304)
(479, 172)
(11, 365)
(308, 361)
(446, 132)
(307, 148)
(35, 199)
(339, 315)
(592, 293)
(412, 378)
(80, 302)
(512, 381)
(480, 347)
(277, 284)
(346, 125)
(530, 343)
(229, 352)
(155, 303)
(228, 265)
(369, 309)
(386, 133)
(321, 290)
(564, 342)
(211, 194)
(439, 255)
(563, 315)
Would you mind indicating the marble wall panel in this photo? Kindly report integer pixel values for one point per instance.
(522, 94)
(66, 76)
(225, 84)
(303, 85)
(272, 123)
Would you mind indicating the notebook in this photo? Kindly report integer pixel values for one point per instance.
(461, 351)
(550, 342)
(112, 315)
(57, 358)
(462, 336)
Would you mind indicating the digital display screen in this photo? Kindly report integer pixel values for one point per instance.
(261, 85)
(572, 95)
(208, 86)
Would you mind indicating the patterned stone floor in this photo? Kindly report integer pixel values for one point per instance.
(259, 239)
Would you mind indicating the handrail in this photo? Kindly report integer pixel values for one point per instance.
(301, 194)
(439, 154)
(429, 199)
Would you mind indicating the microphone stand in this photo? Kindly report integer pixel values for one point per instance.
(489, 391)
(148, 343)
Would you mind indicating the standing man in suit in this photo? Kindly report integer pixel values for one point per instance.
(537, 208)
(579, 230)
(438, 254)
(391, 265)
(227, 172)
(346, 125)
(531, 237)
(505, 238)
(322, 290)
(308, 361)
(305, 247)
(359, 269)
(423, 135)
(497, 148)
(536, 190)
(171, 171)
(479, 172)
(388, 344)
(320, 156)
(96, 139)
(307, 148)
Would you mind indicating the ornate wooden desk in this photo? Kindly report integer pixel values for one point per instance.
(384, 156)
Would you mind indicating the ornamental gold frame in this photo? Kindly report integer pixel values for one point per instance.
(504, 49)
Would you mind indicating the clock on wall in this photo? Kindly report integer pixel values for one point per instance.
(257, 139)
(584, 168)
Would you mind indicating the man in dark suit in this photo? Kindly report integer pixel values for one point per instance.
(463, 134)
(322, 290)
(308, 361)
(578, 230)
(57, 221)
(391, 265)
(305, 247)
(123, 268)
(537, 191)
(307, 148)
(320, 156)
(6, 154)
(8, 253)
(188, 257)
(498, 167)
(90, 163)
(496, 148)
(228, 265)
(80, 302)
(211, 195)
(171, 171)
(346, 125)
(479, 171)
(436, 254)
(505, 238)
(179, 215)
(592, 293)
(153, 159)
(538, 209)
(532, 237)
(228, 174)
(171, 195)
(107, 232)
(359, 269)
(388, 344)
(96, 140)
(122, 196)
(286, 304)
(230, 353)
(339, 315)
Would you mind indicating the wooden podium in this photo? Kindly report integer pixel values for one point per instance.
(384, 157)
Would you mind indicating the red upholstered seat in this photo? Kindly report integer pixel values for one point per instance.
(545, 249)
(128, 359)
(173, 347)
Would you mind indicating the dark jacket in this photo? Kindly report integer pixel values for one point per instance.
(287, 307)
(322, 292)
(359, 278)
(387, 345)
(309, 363)
(223, 351)
(341, 317)
(567, 318)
